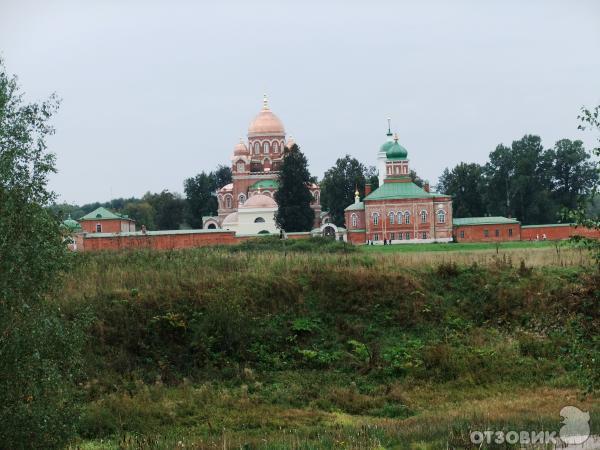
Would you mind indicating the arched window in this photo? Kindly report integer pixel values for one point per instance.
(406, 217)
(240, 166)
(316, 196)
(212, 226)
(275, 147)
(354, 221)
(392, 215)
(241, 199)
(228, 202)
(399, 217)
(259, 220)
(423, 216)
(375, 218)
(441, 216)
(256, 148)
(266, 148)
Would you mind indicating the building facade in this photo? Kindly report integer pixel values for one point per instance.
(255, 166)
(398, 211)
(101, 220)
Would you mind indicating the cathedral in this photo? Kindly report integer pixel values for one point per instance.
(398, 211)
(247, 205)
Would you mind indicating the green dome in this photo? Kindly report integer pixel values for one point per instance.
(71, 224)
(396, 151)
(386, 146)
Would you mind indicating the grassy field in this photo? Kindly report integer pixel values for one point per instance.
(328, 347)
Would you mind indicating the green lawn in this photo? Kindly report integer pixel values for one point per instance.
(439, 247)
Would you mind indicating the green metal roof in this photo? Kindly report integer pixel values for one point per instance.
(495, 220)
(355, 207)
(549, 225)
(386, 146)
(103, 214)
(265, 184)
(400, 190)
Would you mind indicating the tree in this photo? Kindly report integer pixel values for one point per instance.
(142, 212)
(519, 181)
(574, 175)
(169, 209)
(40, 354)
(465, 183)
(339, 184)
(293, 196)
(416, 179)
(221, 177)
(200, 198)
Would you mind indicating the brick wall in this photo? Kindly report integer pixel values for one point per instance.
(495, 232)
(556, 232)
(162, 241)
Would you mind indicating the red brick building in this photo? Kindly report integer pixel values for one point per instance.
(102, 220)
(486, 229)
(399, 211)
(556, 231)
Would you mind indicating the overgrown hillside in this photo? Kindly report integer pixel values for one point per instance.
(310, 349)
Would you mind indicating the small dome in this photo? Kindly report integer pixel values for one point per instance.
(266, 123)
(71, 224)
(240, 149)
(231, 219)
(260, 201)
(226, 188)
(396, 151)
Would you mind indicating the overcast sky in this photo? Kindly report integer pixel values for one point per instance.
(154, 92)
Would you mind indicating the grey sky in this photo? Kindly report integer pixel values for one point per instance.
(154, 92)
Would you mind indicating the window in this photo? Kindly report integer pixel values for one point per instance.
(424, 235)
(376, 237)
(510, 232)
(316, 196)
(256, 148)
(266, 148)
(392, 236)
(240, 166)
(376, 219)
(228, 202)
(497, 233)
(392, 217)
(462, 234)
(423, 216)
(354, 221)
(400, 236)
(259, 220)
(486, 233)
(441, 216)
(98, 228)
(407, 217)
(241, 199)
(275, 147)
(400, 217)
(407, 236)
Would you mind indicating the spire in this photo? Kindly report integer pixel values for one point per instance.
(395, 137)
(389, 133)
(356, 195)
(265, 102)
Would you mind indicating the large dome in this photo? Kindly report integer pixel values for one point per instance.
(259, 201)
(266, 123)
(396, 151)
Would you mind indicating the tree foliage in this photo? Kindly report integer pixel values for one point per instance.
(39, 352)
(293, 196)
(524, 180)
(339, 184)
